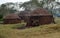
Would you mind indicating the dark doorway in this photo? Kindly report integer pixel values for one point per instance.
(35, 21)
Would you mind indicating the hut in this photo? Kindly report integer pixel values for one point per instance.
(38, 17)
(11, 19)
(23, 15)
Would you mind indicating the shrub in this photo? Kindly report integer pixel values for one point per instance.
(19, 26)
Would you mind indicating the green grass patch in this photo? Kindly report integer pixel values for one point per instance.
(42, 31)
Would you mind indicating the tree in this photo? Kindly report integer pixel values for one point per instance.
(2, 9)
(32, 4)
(50, 5)
(7, 9)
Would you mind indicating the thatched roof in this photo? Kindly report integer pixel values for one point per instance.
(40, 12)
(11, 16)
(36, 12)
(23, 13)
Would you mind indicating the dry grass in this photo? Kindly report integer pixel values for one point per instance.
(43, 31)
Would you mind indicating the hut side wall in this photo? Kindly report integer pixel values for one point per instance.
(33, 21)
(46, 19)
(11, 21)
(39, 20)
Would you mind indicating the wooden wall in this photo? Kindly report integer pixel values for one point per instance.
(39, 20)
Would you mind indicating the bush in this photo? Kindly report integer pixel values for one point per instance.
(19, 26)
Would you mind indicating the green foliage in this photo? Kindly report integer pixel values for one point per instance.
(19, 26)
(36, 3)
(4, 9)
(31, 4)
(58, 3)
(3, 6)
(1, 16)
